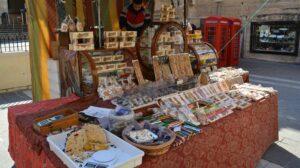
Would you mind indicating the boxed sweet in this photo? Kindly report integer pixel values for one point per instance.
(92, 146)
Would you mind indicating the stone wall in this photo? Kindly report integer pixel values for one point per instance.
(275, 10)
(14, 71)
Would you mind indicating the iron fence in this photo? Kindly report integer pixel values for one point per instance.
(14, 42)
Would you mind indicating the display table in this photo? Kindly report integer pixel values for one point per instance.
(238, 140)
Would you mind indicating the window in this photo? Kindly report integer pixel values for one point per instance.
(275, 37)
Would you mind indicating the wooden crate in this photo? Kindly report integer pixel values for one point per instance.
(81, 35)
(121, 65)
(105, 68)
(111, 40)
(171, 51)
(100, 68)
(81, 47)
(111, 34)
(127, 44)
(113, 45)
(118, 58)
(97, 59)
(161, 53)
(70, 118)
(81, 41)
(164, 47)
(127, 39)
(165, 7)
(108, 58)
(171, 10)
(128, 33)
(164, 19)
(110, 67)
(172, 15)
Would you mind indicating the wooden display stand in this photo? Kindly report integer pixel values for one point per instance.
(202, 58)
(162, 35)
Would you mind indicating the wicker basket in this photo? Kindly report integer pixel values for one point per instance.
(151, 150)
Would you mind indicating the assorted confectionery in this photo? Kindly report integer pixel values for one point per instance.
(139, 115)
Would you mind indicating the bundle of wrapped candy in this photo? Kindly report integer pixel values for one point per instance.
(113, 86)
(226, 73)
(183, 130)
(254, 92)
(144, 95)
(148, 134)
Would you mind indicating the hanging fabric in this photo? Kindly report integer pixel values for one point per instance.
(39, 40)
(80, 11)
(109, 16)
(70, 7)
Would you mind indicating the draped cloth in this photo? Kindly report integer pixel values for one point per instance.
(238, 140)
(39, 39)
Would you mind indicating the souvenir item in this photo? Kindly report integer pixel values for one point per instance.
(133, 101)
(167, 13)
(153, 139)
(79, 25)
(120, 118)
(89, 138)
(138, 72)
(161, 68)
(203, 79)
(56, 121)
(92, 146)
(71, 24)
(226, 73)
(180, 65)
(142, 136)
(64, 27)
(81, 41)
(119, 39)
(254, 92)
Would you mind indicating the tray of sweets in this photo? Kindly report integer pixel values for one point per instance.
(56, 121)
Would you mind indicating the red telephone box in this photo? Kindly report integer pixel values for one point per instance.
(234, 46)
(217, 32)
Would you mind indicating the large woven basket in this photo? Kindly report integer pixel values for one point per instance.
(151, 150)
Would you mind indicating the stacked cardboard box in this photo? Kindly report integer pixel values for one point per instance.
(81, 41)
(119, 39)
(167, 13)
(194, 38)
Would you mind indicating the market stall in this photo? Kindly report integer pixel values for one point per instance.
(152, 100)
(239, 139)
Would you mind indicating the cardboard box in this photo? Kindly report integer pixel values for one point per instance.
(112, 45)
(128, 33)
(109, 34)
(127, 44)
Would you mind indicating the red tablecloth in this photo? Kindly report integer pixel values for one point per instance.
(238, 140)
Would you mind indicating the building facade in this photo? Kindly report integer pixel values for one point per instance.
(3, 8)
(12, 12)
(273, 34)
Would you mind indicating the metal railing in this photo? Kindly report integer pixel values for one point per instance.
(14, 42)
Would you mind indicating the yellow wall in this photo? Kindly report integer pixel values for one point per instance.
(14, 71)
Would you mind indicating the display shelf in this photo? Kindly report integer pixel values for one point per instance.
(145, 59)
(86, 61)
